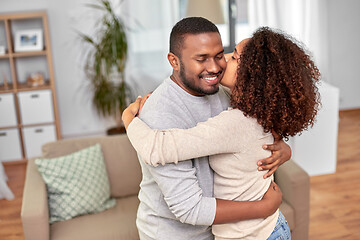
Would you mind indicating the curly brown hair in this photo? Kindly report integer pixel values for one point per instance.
(276, 83)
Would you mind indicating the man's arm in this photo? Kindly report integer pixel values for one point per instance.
(182, 193)
(185, 199)
(232, 211)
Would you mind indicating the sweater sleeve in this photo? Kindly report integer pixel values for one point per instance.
(221, 134)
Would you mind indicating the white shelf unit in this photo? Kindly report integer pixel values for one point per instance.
(29, 115)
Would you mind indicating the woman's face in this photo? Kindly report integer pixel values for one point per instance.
(232, 60)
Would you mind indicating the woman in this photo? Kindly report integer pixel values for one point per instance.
(273, 88)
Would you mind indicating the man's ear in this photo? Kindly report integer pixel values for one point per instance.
(174, 61)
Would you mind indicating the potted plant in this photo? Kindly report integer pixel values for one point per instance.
(105, 65)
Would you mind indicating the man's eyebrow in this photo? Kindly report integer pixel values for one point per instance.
(201, 55)
(206, 55)
(220, 52)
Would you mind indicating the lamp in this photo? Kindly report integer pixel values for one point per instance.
(209, 9)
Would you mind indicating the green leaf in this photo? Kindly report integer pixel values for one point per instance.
(108, 53)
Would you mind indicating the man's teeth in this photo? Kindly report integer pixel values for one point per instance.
(210, 78)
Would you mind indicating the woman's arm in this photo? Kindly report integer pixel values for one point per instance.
(167, 153)
(221, 134)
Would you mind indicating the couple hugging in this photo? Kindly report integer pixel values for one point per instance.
(203, 148)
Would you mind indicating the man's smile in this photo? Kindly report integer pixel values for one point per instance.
(211, 79)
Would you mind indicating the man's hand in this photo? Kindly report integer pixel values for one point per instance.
(273, 198)
(281, 152)
(228, 211)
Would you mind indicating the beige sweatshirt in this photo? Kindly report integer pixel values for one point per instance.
(234, 143)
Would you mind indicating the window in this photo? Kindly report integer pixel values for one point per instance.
(235, 26)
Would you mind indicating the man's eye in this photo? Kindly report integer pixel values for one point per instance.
(220, 56)
(200, 60)
(233, 57)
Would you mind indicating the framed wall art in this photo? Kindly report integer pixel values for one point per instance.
(29, 40)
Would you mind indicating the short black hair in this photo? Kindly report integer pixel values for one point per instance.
(189, 25)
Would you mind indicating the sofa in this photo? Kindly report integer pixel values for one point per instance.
(124, 176)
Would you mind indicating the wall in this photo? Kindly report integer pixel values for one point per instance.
(77, 116)
(344, 50)
(22, 5)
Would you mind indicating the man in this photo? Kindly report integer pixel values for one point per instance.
(176, 200)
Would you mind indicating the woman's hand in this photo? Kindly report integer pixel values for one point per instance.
(133, 110)
(143, 100)
(281, 152)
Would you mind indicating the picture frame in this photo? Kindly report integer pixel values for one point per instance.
(29, 40)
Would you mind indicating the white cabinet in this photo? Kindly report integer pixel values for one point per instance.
(315, 150)
(7, 110)
(35, 137)
(10, 145)
(36, 107)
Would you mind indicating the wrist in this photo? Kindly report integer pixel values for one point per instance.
(127, 117)
(268, 207)
(129, 113)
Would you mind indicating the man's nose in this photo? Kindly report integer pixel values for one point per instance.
(228, 56)
(214, 67)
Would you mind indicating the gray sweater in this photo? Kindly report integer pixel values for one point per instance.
(176, 200)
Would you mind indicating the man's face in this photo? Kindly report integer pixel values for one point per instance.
(202, 63)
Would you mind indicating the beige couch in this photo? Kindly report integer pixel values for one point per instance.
(125, 175)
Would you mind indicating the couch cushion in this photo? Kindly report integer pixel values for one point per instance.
(120, 158)
(77, 184)
(289, 214)
(116, 223)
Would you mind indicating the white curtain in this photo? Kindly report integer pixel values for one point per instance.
(150, 23)
(306, 20)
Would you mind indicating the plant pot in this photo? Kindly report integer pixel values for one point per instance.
(116, 130)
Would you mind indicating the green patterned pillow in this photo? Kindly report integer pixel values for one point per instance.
(77, 184)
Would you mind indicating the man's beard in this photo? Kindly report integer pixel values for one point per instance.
(191, 85)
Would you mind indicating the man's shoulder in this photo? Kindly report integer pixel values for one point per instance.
(164, 108)
(164, 99)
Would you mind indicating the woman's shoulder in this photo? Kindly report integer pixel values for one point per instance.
(233, 119)
(240, 122)
(234, 114)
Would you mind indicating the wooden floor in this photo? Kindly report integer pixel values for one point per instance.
(10, 222)
(335, 198)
